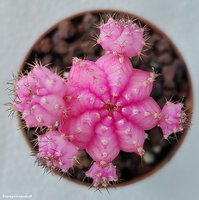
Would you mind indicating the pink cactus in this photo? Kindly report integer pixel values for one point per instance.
(110, 108)
(102, 174)
(40, 97)
(123, 37)
(108, 105)
(56, 151)
(173, 118)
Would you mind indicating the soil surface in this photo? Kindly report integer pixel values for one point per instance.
(73, 38)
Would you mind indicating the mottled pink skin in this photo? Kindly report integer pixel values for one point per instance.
(122, 37)
(102, 175)
(56, 151)
(40, 97)
(173, 118)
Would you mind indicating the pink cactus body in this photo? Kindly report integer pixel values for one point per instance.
(110, 108)
(103, 175)
(173, 118)
(123, 37)
(40, 97)
(56, 151)
(108, 103)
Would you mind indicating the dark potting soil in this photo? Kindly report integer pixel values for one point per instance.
(73, 38)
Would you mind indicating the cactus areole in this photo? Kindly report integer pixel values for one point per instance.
(103, 107)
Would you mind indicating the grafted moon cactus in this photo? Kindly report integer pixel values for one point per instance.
(108, 105)
(110, 108)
